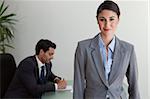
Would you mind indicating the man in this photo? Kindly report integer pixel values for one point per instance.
(34, 76)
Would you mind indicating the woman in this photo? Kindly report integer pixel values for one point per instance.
(102, 62)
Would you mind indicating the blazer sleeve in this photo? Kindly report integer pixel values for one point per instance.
(79, 82)
(51, 76)
(132, 77)
(26, 74)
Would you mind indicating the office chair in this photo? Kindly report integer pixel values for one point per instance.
(8, 68)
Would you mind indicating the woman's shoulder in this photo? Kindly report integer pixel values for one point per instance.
(126, 45)
(85, 41)
(89, 40)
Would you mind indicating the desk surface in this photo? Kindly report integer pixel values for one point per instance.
(59, 94)
(65, 94)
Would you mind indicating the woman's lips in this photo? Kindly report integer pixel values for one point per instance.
(106, 29)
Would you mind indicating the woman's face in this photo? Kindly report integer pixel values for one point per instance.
(108, 21)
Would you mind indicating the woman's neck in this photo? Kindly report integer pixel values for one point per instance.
(107, 39)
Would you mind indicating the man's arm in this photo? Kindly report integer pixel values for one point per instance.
(26, 74)
(59, 82)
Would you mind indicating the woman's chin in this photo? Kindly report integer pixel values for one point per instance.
(107, 32)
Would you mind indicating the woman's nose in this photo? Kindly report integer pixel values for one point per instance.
(107, 24)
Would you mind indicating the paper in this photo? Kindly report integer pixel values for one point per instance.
(68, 88)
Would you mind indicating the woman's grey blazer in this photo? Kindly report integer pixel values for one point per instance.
(89, 76)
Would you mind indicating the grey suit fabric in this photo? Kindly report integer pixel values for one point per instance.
(26, 82)
(89, 76)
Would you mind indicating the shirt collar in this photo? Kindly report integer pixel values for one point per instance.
(40, 64)
(111, 46)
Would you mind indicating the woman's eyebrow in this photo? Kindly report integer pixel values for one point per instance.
(112, 17)
(101, 17)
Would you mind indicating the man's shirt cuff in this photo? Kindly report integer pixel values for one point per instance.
(56, 86)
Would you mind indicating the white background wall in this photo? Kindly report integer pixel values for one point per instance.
(67, 22)
(149, 50)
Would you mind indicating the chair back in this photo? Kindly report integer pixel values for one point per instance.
(8, 68)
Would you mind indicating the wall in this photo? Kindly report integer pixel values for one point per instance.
(149, 50)
(67, 22)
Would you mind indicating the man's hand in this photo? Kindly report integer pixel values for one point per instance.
(62, 84)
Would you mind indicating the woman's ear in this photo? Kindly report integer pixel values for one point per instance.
(118, 20)
(97, 19)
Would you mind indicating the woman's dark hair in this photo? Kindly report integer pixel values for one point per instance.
(108, 5)
(44, 44)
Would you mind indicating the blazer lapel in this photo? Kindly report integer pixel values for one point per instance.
(116, 65)
(36, 68)
(95, 53)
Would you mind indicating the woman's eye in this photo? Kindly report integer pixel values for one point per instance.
(111, 19)
(101, 19)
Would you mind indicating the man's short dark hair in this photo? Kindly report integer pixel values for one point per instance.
(44, 44)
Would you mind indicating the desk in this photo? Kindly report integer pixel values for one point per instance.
(66, 94)
(59, 94)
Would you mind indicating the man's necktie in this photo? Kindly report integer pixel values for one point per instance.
(42, 76)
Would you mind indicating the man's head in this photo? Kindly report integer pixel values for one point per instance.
(45, 50)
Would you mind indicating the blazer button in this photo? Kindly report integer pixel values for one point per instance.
(107, 97)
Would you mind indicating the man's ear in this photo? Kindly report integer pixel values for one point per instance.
(41, 51)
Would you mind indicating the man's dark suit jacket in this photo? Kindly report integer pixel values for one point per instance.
(26, 82)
